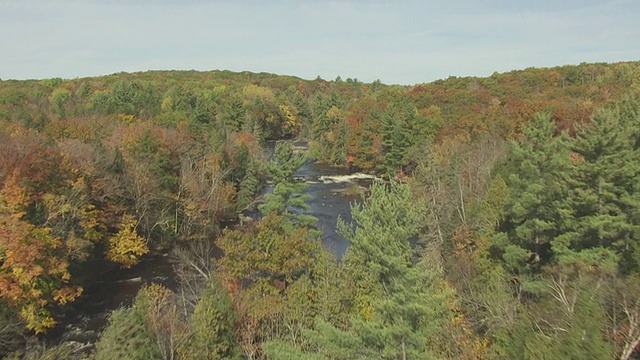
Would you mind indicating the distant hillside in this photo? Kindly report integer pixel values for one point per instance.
(340, 116)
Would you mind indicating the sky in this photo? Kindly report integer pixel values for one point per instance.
(397, 42)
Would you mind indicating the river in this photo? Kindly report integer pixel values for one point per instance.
(332, 190)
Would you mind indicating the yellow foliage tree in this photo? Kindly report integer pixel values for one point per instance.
(126, 246)
(33, 266)
(334, 114)
(291, 121)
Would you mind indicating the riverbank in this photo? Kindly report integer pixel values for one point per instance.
(332, 190)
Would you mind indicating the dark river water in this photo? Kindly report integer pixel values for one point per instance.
(332, 190)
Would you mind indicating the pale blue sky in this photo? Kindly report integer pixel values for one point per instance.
(402, 42)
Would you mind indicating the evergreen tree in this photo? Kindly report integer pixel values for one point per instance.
(629, 110)
(304, 112)
(320, 120)
(287, 199)
(396, 134)
(532, 174)
(206, 107)
(398, 302)
(327, 342)
(338, 148)
(127, 337)
(248, 188)
(212, 327)
(327, 115)
(396, 144)
(602, 209)
(277, 350)
(234, 113)
(59, 99)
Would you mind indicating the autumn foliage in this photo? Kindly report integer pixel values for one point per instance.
(523, 210)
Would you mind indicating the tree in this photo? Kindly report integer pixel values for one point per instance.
(260, 266)
(212, 327)
(567, 320)
(234, 113)
(304, 112)
(269, 252)
(396, 136)
(532, 172)
(324, 295)
(34, 269)
(249, 186)
(320, 121)
(151, 177)
(399, 302)
(126, 246)
(287, 197)
(327, 342)
(59, 98)
(128, 336)
(12, 335)
(602, 210)
(204, 197)
(626, 315)
(153, 327)
(129, 98)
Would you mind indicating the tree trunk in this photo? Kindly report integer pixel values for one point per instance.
(630, 349)
(404, 351)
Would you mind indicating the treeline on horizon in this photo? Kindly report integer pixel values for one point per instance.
(521, 188)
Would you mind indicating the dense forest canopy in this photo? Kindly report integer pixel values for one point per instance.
(507, 224)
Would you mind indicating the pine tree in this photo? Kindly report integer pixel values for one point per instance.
(320, 120)
(287, 199)
(396, 137)
(602, 209)
(328, 342)
(567, 321)
(127, 336)
(304, 112)
(248, 188)
(212, 327)
(532, 174)
(400, 304)
(234, 113)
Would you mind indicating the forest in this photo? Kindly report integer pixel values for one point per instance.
(505, 223)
